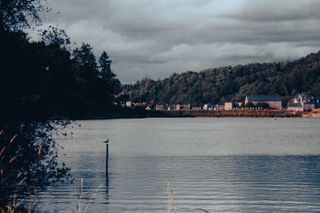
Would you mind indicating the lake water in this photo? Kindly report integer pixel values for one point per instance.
(217, 164)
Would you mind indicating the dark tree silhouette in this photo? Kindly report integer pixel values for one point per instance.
(86, 68)
(40, 82)
(15, 13)
(105, 67)
(110, 83)
(263, 105)
(55, 36)
(250, 105)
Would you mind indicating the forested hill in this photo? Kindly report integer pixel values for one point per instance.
(217, 85)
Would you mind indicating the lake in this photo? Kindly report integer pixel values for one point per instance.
(217, 164)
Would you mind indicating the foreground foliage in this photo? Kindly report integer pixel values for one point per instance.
(28, 159)
(41, 81)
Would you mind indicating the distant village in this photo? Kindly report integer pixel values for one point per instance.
(299, 103)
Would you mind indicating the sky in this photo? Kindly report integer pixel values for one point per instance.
(155, 38)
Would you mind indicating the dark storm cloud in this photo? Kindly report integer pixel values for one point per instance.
(157, 38)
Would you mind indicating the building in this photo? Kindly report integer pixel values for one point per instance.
(170, 107)
(232, 105)
(309, 107)
(239, 104)
(274, 101)
(183, 107)
(305, 104)
(196, 108)
(207, 107)
(149, 108)
(228, 106)
(128, 104)
(218, 107)
(159, 107)
(298, 107)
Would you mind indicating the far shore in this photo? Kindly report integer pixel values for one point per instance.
(127, 114)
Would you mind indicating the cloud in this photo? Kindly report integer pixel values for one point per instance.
(284, 10)
(157, 38)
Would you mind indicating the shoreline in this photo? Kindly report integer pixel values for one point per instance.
(236, 113)
(132, 114)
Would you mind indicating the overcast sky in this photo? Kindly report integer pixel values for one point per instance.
(156, 38)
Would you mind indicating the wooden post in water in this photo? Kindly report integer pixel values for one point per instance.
(107, 168)
(107, 155)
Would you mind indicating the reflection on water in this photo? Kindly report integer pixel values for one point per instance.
(244, 167)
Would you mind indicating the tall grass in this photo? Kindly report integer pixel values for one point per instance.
(85, 199)
(171, 205)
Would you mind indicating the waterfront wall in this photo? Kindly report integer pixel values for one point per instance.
(233, 113)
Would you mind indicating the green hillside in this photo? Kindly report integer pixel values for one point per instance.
(217, 85)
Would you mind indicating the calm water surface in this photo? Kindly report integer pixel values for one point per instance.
(218, 164)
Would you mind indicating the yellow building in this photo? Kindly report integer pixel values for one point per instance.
(228, 106)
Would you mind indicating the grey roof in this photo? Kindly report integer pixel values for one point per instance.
(294, 105)
(264, 98)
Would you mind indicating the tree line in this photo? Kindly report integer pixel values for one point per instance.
(44, 78)
(231, 83)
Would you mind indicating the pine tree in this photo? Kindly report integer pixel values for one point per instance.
(105, 67)
(111, 84)
(86, 68)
